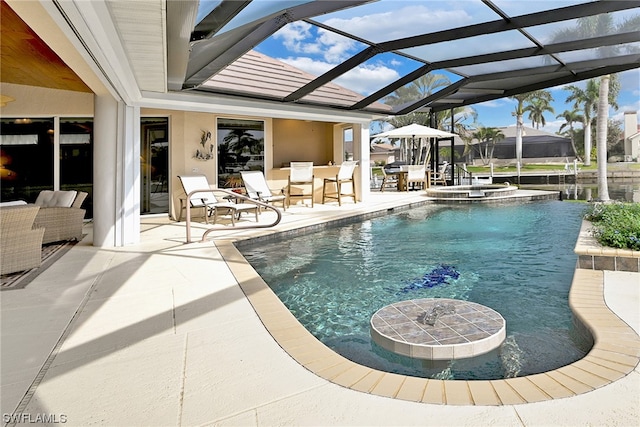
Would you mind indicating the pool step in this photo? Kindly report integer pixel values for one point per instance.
(476, 193)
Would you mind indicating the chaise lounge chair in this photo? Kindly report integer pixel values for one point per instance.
(208, 201)
(258, 189)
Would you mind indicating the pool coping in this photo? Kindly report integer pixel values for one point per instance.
(593, 256)
(614, 355)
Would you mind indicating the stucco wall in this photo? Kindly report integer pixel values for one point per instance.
(297, 140)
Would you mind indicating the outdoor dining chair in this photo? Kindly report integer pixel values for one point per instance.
(344, 176)
(301, 174)
(258, 189)
(208, 201)
(417, 174)
(439, 176)
(388, 180)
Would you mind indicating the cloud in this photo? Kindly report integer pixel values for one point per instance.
(495, 103)
(366, 79)
(308, 64)
(553, 126)
(294, 35)
(630, 81)
(363, 79)
(303, 38)
(401, 22)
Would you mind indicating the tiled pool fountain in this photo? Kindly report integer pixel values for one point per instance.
(438, 328)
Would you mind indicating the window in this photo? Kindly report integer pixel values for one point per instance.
(240, 147)
(26, 157)
(347, 141)
(76, 158)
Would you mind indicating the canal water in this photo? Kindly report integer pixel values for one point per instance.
(621, 189)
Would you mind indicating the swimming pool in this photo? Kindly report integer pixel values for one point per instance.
(514, 258)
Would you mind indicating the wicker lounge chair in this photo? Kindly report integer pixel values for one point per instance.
(21, 247)
(60, 215)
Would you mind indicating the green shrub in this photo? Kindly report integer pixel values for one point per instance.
(616, 225)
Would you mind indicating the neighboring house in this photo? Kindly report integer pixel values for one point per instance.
(631, 137)
(536, 144)
(384, 153)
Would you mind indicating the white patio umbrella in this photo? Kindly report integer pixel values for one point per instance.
(414, 131)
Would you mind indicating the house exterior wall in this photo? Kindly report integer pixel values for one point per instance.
(317, 127)
(631, 136)
(296, 140)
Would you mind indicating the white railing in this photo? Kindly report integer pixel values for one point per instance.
(237, 227)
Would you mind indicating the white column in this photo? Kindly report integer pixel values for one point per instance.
(364, 149)
(56, 153)
(128, 176)
(116, 173)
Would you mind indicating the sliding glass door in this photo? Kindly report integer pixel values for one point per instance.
(154, 165)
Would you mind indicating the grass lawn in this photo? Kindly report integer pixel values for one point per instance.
(550, 167)
(533, 167)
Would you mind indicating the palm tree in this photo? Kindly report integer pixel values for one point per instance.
(240, 140)
(487, 139)
(585, 98)
(608, 93)
(460, 116)
(586, 28)
(536, 110)
(420, 88)
(519, 112)
(601, 136)
(570, 118)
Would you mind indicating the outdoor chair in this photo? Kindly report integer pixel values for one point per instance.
(21, 247)
(258, 189)
(301, 174)
(208, 201)
(388, 180)
(417, 174)
(344, 176)
(439, 176)
(61, 215)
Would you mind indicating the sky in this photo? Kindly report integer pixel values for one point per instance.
(316, 51)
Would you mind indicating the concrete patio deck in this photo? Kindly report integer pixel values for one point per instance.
(162, 333)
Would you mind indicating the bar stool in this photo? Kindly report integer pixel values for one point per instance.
(345, 176)
(301, 174)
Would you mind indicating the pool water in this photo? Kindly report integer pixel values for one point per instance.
(517, 259)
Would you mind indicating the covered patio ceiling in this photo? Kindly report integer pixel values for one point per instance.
(505, 48)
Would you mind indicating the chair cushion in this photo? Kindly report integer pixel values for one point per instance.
(13, 203)
(48, 198)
